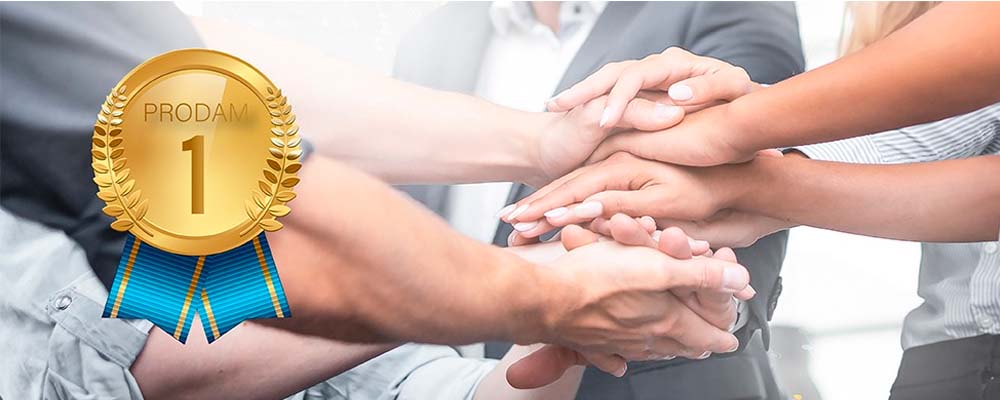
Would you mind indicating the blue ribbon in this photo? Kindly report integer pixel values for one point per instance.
(224, 289)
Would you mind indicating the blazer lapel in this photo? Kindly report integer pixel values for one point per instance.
(603, 38)
(607, 32)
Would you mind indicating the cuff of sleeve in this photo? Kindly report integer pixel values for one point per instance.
(860, 150)
(742, 316)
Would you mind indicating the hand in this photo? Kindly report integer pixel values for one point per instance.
(573, 135)
(693, 82)
(548, 364)
(627, 184)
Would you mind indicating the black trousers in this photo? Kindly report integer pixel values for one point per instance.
(963, 369)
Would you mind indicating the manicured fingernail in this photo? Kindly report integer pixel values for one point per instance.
(525, 226)
(733, 278)
(703, 243)
(680, 92)
(605, 117)
(510, 239)
(753, 292)
(556, 212)
(518, 211)
(656, 236)
(589, 209)
(621, 372)
(732, 349)
(665, 112)
(668, 358)
(704, 355)
(506, 210)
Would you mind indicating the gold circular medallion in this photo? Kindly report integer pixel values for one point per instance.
(195, 152)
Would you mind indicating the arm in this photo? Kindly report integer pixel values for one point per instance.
(252, 362)
(398, 273)
(405, 133)
(917, 72)
(944, 201)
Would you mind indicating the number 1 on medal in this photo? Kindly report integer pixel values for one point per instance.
(196, 144)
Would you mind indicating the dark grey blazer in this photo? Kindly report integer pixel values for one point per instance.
(445, 49)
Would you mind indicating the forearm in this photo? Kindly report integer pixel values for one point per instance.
(946, 201)
(252, 362)
(359, 261)
(913, 76)
(399, 132)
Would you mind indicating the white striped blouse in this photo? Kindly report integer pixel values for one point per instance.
(959, 282)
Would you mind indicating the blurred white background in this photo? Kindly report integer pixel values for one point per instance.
(848, 293)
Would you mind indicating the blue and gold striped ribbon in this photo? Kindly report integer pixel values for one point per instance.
(223, 289)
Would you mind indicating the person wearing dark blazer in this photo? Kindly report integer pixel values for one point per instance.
(518, 54)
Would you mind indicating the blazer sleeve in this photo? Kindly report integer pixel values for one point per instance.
(763, 38)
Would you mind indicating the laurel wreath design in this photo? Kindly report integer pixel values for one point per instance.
(124, 201)
(279, 177)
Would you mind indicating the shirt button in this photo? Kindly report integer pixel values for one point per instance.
(985, 322)
(990, 247)
(63, 302)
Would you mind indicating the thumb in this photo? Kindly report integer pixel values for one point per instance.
(574, 236)
(544, 366)
(647, 115)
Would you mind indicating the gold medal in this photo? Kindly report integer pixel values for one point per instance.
(195, 153)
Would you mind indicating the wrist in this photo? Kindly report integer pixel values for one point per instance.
(757, 184)
(532, 139)
(743, 127)
(531, 297)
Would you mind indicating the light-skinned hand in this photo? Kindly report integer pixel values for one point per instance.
(547, 364)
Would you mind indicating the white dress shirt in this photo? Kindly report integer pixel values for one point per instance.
(521, 68)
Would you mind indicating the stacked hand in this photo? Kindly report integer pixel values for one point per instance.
(639, 172)
(689, 315)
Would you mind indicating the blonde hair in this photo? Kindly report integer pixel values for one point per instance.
(870, 21)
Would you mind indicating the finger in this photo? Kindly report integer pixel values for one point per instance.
(541, 367)
(699, 247)
(515, 239)
(728, 254)
(516, 210)
(610, 363)
(703, 274)
(770, 153)
(596, 85)
(655, 70)
(628, 231)
(600, 226)
(554, 204)
(694, 333)
(657, 348)
(727, 84)
(646, 115)
(674, 242)
(533, 229)
(574, 236)
(648, 201)
(648, 223)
